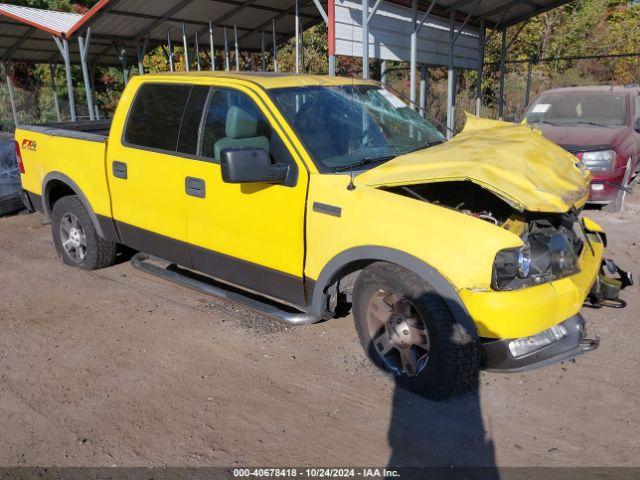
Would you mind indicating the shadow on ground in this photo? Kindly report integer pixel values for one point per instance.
(440, 439)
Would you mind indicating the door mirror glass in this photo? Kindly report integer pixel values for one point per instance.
(251, 165)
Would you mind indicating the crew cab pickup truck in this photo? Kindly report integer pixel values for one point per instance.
(309, 198)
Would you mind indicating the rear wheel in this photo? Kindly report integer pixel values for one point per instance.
(407, 330)
(76, 239)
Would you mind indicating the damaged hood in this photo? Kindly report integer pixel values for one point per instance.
(513, 161)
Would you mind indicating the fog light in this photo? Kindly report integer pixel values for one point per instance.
(523, 346)
(597, 187)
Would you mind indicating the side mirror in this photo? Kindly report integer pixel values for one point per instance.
(250, 165)
(636, 125)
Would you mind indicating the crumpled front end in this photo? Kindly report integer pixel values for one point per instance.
(514, 162)
(561, 335)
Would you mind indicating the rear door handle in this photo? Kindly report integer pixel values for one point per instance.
(120, 170)
(195, 187)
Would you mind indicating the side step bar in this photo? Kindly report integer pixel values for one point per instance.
(186, 278)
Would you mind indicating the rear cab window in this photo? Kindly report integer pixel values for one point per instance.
(166, 118)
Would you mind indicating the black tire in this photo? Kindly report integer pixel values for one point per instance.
(452, 364)
(97, 252)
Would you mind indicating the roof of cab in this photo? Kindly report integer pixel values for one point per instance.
(266, 80)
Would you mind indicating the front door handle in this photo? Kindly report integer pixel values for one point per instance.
(195, 187)
(120, 170)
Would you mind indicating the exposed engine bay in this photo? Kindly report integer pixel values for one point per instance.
(553, 242)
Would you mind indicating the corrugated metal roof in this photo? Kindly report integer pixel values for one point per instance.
(116, 24)
(56, 23)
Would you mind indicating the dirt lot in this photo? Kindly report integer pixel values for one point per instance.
(119, 368)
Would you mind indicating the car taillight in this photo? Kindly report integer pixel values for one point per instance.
(19, 157)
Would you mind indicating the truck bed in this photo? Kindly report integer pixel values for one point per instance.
(72, 153)
(91, 130)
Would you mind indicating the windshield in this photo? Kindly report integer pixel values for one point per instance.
(598, 109)
(353, 125)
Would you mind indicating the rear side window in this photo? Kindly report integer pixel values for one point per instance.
(156, 116)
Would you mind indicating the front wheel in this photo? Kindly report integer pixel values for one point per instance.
(76, 239)
(407, 330)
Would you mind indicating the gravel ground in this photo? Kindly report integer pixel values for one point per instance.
(119, 368)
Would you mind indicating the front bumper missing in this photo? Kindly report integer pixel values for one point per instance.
(496, 356)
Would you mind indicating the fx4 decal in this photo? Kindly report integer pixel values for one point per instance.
(30, 145)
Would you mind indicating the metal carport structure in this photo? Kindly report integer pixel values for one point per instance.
(43, 36)
(117, 31)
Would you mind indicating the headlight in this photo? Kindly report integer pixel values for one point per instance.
(599, 161)
(545, 257)
(524, 262)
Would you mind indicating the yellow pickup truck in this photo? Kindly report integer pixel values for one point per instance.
(308, 198)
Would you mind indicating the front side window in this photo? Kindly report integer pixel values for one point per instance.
(232, 121)
(349, 125)
(577, 109)
(156, 116)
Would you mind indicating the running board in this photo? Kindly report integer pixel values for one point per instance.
(186, 278)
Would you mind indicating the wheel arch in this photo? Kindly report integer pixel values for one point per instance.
(54, 181)
(356, 259)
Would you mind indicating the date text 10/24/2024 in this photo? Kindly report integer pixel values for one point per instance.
(315, 473)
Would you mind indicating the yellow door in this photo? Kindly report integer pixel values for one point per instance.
(250, 235)
(146, 177)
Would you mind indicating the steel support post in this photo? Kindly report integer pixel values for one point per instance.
(227, 62)
(424, 89)
(63, 46)
(365, 39)
(185, 44)
(170, 47)
(481, 41)
(451, 77)
(141, 51)
(263, 53)
(54, 88)
(122, 55)
(527, 93)
(212, 47)
(297, 32)
(237, 50)
(331, 20)
(275, 46)
(383, 73)
(197, 40)
(413, 55)
(503, 54)
(83, 44)
(12, 99)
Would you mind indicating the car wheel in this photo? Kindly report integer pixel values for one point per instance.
(617, 204)
(76, 239)
(407, 330)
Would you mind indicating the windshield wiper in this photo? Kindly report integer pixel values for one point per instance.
(426, 145)
(596, 124)
(555, 124)
(364, 162)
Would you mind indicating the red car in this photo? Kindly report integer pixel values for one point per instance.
(601, 126)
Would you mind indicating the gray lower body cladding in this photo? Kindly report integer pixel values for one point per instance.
(496, 355)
